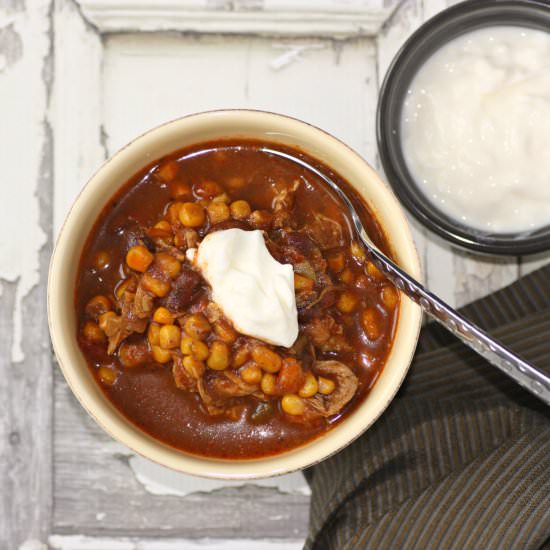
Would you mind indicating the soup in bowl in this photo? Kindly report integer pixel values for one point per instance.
(218, 314)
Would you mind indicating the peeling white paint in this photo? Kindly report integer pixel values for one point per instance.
(33, 544)
(159, 480)
(293, 53)
(20, 158)
(82, 542)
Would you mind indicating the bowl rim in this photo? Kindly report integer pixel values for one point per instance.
(462, 236)
(155, 450)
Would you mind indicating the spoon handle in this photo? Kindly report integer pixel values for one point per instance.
(526, 375)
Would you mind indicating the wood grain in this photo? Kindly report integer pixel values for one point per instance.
(96, 492)
(26, 386)
(63, 480)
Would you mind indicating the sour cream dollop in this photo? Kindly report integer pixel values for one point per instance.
(255, 291)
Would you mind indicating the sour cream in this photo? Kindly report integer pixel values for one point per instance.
(255, 292)
(475, 129)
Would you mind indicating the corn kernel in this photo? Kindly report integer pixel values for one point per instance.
(346, 276)
(358, 252)
(102, 260)
(196, 326)
(371, 323)
(207, 189)
(139, 258)
(107, 375)
(240, 210)
(168, 171)
(346, 302)
(251, 374)
(192, 214)
(326, 386)
(153, 334)
(267, 359)
(218, 212)
(163, 316)
(199, 350)
(390, 297)
(180, 190)
(268, 383)
(167, 264)
(173, 212)
(225, 332)
(219, 356)
(186, 345)
(163, 225)
(310, 386)
(92, 333)
(97, 306)
(169, 337)
(260, 219)
(374, 272)
(292, 404)
(155, 285)
(336, 262)
(240, 357)
(161, 355)
(303, 283)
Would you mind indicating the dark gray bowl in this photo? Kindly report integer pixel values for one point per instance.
(450, 23)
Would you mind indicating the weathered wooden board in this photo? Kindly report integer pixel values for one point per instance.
(25, 245)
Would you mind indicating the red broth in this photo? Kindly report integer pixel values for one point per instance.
(163, 352)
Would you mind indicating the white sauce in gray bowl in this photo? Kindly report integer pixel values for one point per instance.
(475, 129)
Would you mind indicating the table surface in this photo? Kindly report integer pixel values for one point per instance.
(77, 81)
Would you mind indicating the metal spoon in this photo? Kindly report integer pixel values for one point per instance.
(526, 375)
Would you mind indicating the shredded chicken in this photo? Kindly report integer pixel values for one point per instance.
(327, 335)
(132, 319)
(346, 386)
(327, 233)
(284, 197)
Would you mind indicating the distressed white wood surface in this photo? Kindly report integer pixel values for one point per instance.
(320, 60)
(25, 225)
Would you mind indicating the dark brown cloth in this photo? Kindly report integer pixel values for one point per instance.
(461, 458)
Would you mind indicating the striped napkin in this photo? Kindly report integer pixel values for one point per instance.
(461, 458)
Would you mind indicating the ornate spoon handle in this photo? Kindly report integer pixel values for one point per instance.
(526, 375)
(531, 378)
